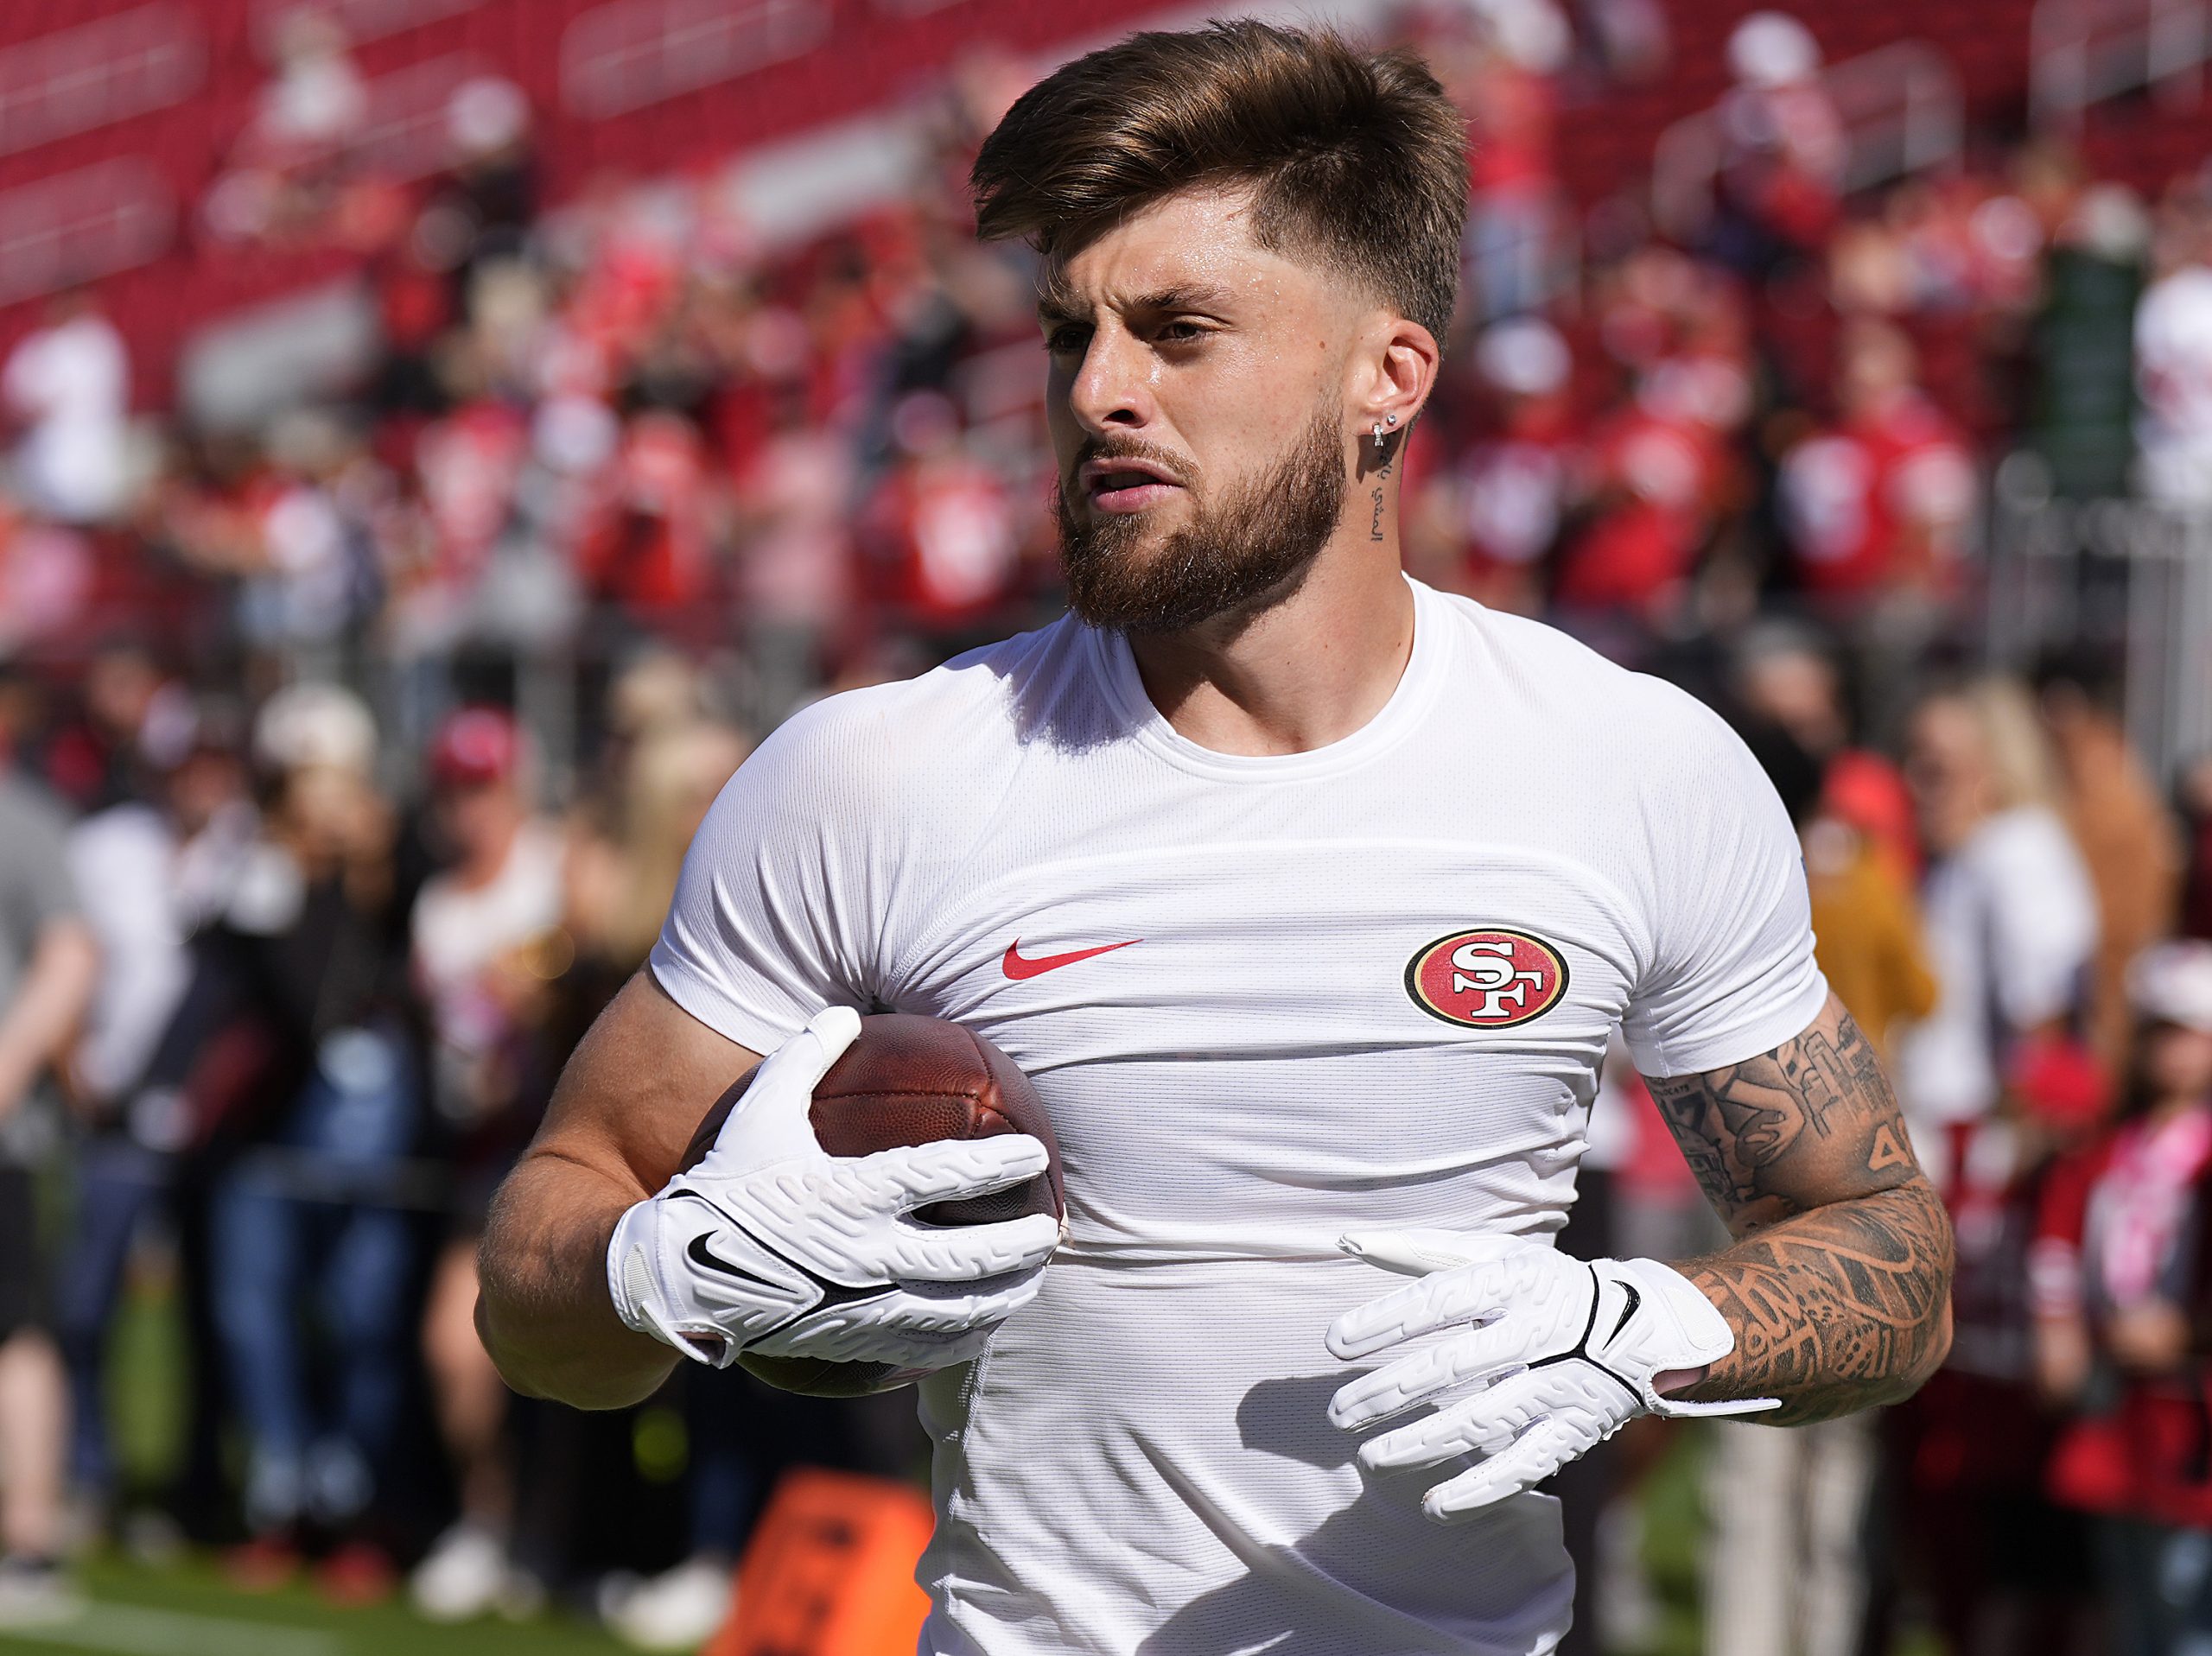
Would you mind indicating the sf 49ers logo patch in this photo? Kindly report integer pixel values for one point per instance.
(1488, 978)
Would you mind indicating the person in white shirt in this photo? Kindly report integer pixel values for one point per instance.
(473, 924)
(68, 384)
(2173, 372)
(2008, 909)
(149, 875)
(1310, 900)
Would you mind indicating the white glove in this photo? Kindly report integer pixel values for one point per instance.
(771, 1245)
(1547, 1357)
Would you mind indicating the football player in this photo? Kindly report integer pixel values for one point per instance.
(1310, 898)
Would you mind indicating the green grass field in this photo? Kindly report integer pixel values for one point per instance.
(190, 1610)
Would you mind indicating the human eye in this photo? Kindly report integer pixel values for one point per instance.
(1182, 331)
(1066, 338)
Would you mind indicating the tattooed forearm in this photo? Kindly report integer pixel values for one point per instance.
(1838, 1284)
(1836, 1310)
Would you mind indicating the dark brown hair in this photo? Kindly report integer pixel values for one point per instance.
(1354, 158)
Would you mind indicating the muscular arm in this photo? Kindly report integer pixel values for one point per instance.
(1839, 1282)
(625, 1110)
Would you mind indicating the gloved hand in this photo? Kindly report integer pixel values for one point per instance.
(1548, 1356)
(771, 1245)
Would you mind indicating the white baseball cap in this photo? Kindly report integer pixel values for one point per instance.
(1771, 49)
(2171, 983)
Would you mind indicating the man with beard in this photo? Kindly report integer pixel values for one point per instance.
(1310, 898)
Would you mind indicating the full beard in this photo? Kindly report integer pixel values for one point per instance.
(1252, 547)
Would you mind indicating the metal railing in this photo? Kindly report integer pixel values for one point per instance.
(77, 226)
(100, 73)
(2080, 52)
(1899, 107)
(2130, 580)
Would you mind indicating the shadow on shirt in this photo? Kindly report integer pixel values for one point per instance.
(1291, 1599)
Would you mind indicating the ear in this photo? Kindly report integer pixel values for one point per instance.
(1395, 370)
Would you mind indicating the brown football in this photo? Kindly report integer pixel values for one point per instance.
(908, 1080)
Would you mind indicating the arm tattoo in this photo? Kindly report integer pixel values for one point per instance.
(1839, 1282)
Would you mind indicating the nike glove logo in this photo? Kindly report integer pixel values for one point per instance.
(706, 1259)
(1635, 1300)
(1018, 968)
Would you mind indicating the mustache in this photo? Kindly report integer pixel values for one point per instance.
(1177, 466)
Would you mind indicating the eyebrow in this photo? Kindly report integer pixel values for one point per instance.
(1057, 302)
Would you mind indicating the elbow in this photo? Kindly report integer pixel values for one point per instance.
(538, 1368)
(542, 1347)
(515, 1374)
(1924, 1353)
(496, 1316)
(1921, 1351)
(512, 1337)
(1939, 1344)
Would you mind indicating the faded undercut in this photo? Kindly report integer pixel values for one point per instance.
(1356, 160)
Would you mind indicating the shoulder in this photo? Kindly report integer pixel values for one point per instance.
(34, 842)
(938, 731)
(902, 761)
(27, 804)
(1635, 724)
(120, 830)
(1917, 419)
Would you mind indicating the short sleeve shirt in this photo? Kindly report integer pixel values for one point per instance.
(1267, 1000)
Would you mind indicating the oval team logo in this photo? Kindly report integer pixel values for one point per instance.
(1488, 978)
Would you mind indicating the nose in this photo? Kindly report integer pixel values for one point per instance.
(1111, 390)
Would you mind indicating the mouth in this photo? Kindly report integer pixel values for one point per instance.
(1125, 486)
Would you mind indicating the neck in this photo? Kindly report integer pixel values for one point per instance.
(1296, 673)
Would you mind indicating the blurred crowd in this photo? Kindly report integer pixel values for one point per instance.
(300, 1031)
(351, 754)
(2012, 908)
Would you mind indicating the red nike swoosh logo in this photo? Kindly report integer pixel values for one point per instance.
(1018, 968)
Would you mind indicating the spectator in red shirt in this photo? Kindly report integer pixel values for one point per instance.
(939, 529)
(2122, 1274)
(1648, 486)
(1879, 502)
(650, 552)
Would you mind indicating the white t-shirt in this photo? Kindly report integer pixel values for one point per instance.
(72, 384)
(124, 861)
(1544, 846)
(2011, 921)
(2173, 370)
(458, 931)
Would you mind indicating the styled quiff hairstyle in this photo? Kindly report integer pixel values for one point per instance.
(1354, 159)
